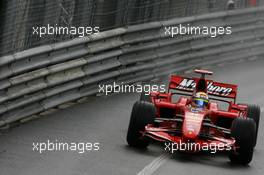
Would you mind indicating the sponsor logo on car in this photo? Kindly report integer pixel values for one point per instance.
(189, 84)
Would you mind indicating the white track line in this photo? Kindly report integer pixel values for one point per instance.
(154, 165)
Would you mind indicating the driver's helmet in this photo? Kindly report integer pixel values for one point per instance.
(200, 100)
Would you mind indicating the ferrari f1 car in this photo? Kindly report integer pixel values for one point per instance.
(199, 120)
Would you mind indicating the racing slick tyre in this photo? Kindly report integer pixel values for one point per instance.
(243, 130)
(145, 97)
(253, 111)
(143, 113)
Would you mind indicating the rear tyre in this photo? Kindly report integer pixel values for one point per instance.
(253, 112)
(243, 130)
(143, 113)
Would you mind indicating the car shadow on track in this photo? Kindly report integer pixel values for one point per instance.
(219, 160)
(146, 152)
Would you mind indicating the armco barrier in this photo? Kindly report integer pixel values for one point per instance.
(37, 79)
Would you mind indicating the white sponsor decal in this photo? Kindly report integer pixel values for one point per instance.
(189, 84)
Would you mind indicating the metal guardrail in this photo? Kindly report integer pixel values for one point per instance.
(37, 79)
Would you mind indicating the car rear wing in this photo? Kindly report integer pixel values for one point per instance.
(213, 88)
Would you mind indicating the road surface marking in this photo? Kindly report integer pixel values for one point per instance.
(154, 165)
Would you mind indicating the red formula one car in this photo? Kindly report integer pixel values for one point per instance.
(190, 117)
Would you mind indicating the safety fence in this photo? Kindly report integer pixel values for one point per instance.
(18, 17)
(44, 77)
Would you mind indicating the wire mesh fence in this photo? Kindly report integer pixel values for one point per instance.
(19, 17)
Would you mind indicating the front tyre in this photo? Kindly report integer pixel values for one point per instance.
(243, 130)
(253, 112)
(143, 113)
